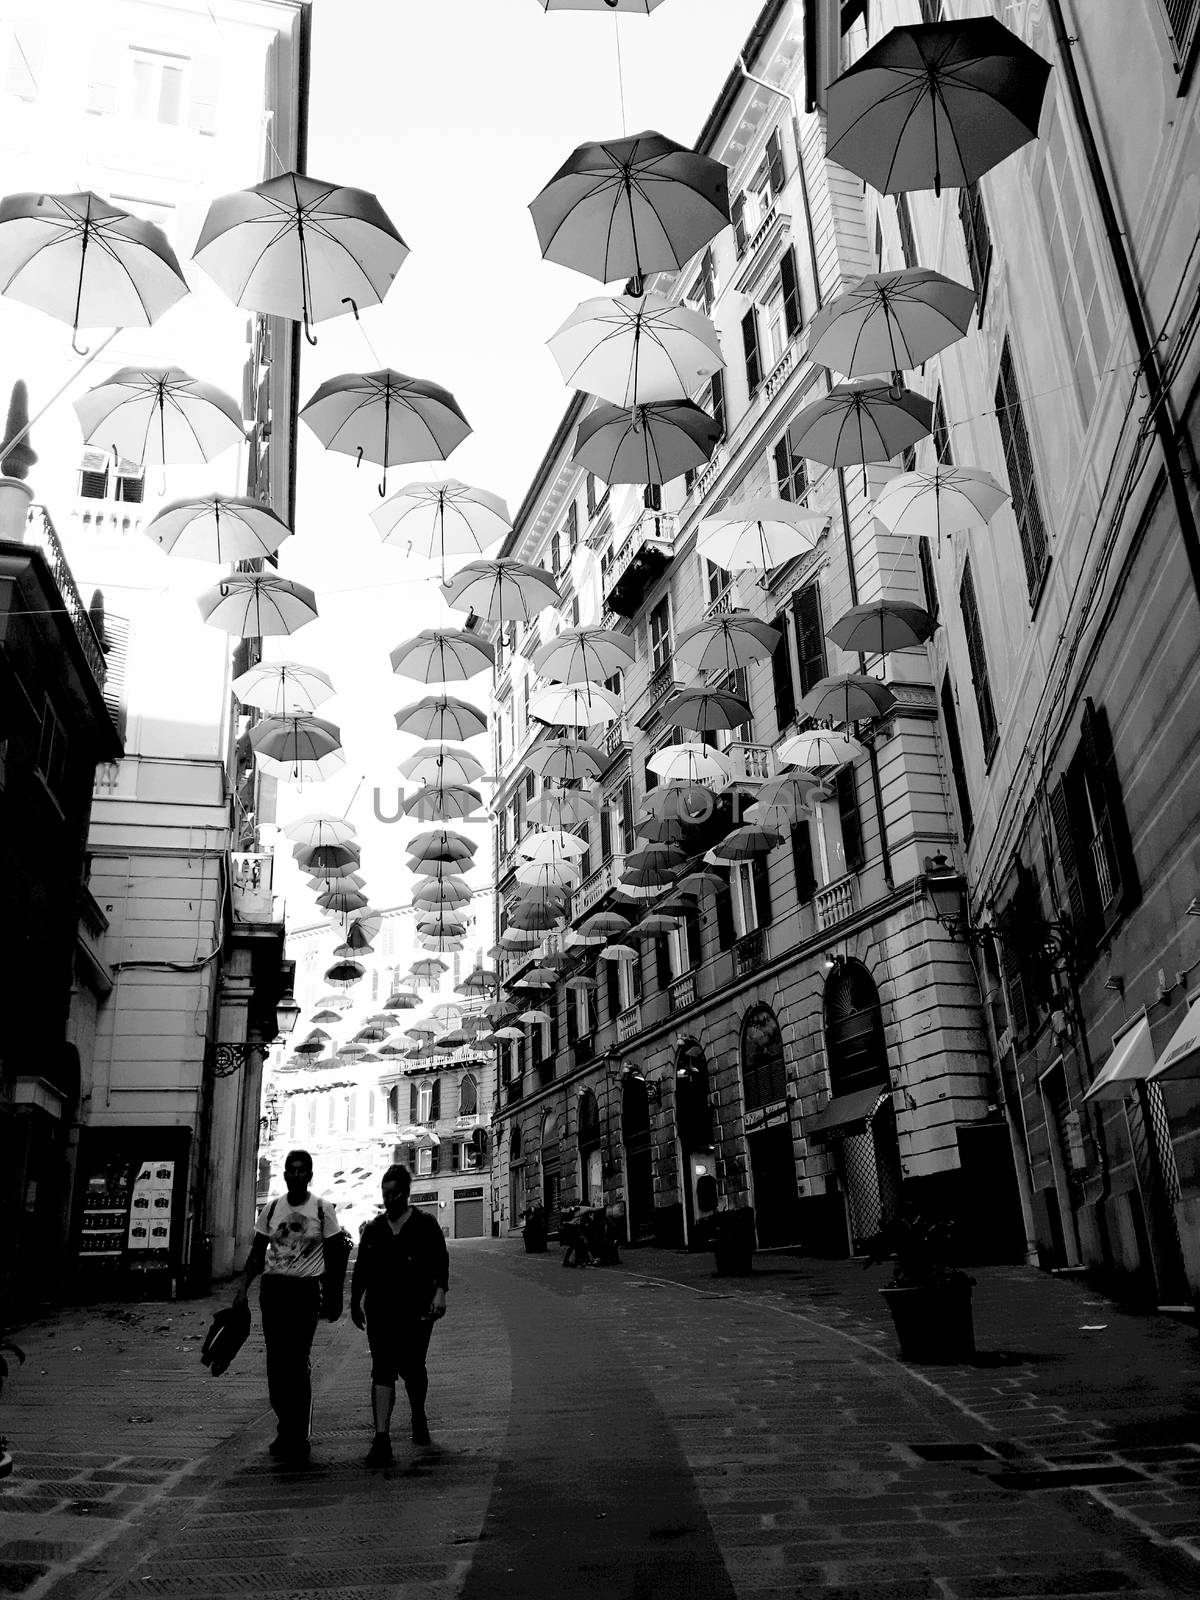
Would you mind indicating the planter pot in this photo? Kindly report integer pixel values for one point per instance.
(15, 499)
(933, 1322)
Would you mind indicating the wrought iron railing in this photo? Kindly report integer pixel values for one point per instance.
(40, 533)
(749, 953)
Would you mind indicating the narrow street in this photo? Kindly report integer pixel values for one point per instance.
(636, 1431)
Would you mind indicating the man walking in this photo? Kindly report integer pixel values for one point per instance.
(402, 1273)
(289, 1251)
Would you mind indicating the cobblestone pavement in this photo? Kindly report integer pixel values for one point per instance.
(637, 1431)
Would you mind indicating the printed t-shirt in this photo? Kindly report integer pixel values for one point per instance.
(293, 1234)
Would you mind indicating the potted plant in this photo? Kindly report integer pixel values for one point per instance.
(536, 1230)
(929, 1298)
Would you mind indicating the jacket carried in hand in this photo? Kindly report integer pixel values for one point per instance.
(399, 1272)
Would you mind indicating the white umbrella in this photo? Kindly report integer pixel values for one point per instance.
(631, 349)
(589, 654)
(547, 874)
(218, 527)
(442, 764)
(436, 520)
(501, 590)
(442, 655)
(534, 1017)
(159, 416)
(575, 705)
(819, 751)
(316, 828)
(890, 320)
(253, 605)
(688, 763)
(946, 500)
(439, 717)
(759, 534)
(283, 687)
(554, 845)
(298, 748)
(443, 802)
(565, 808)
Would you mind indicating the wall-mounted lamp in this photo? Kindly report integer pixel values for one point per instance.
(287, 1013)
(833, 963)
(618, 1071)
(948, 892)
(1116, 983)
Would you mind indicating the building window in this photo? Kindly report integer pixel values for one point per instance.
(1183, 19)
(750, 889)
(572, 526)
(978, 238)
(590, 491)
(660, 634)
(776, 171)
(1022, 482)
(810, 635)
(791, 469)
(854, 1037)
(159, 83)
(93, 485)
(940, 432)
(556, 553)
(908, 240)
(978, 659)
(52, 750)
(425, 1163)
(845, 788)
(781, 672)
(751, 348)
(928, 576)
(1094, 852)
(764, 1071)
(789, 285)
(716, 401)
(468, 1095)
(802, 862)
(958, 770)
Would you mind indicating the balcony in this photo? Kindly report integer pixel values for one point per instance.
(593, 888)
(512, 1092)
(683, 992)
(584, 1050)
(617, 740)
(39, 532)
(835, 902)
(749, 953)
(629, 1024)
(762, 252)
(707, 476)
(647, 551)
(728, 600)
(748, 763)
(777, 376)
(664, 680)
(252, 881)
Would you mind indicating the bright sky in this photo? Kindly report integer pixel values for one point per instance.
(455, 113)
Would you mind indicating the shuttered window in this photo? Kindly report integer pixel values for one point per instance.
(928, 576)
(908, 241)
(775, 166)
(789, 284)
(1095, 855)
(940, 433)
(846, 793)
(761, 879)
(556, 554)
(791, 469)
(978, 239)
(590, 491)
(958, 769)
(750, 345)
(978, 659)
(737, 216)
(802, 860)
(1022, 481)
(810, 635)
(781, 673)
(708, 281)
(116, 666)
(726, 930)
(716, 390)
(573, 526)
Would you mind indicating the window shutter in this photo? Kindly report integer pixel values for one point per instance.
(781, 671)
(662, 957)
(717, 390)
(408, 1156)
(708, 280)
(591, 494)
(928, 577)
(762, 889)
(414, 1109)
(552, 1007)
(1060, 811)
(978, 239)
(556, 554)
(940, 432)
(908, 243)
(726, 932)
(957, 767)
(572, 1017)
(116, 664)
(802, 857)
(750, 344)
(978, 660)
(775, 164)
(810, 637)
(573, 526)
(614, 991)
(793, 311)
(434, 1153)
(781, 468)
(1098, 753)
(1018, 459)
(1014, 981)
(435, 1100)
(626, 816)
(737, 216)
(846, 789)
(455, 1156)
(691, 924)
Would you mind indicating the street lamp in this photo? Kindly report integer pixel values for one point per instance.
(287, 1014)
(948, 892)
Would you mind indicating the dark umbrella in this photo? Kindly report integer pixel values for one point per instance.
(847, 697)
(937, 103)
(645, 444)
(860, 422)
(882, 626)
(621, 208)
(705, 710)
(387, 417)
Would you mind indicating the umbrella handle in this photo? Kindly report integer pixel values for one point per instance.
(358, 458)
(80, 350)
(348, 300)
(308, 334)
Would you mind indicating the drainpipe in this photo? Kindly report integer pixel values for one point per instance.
(806, 198)
(1166, 425)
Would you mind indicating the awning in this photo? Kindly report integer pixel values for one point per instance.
(1181, 1058)
(1132, 1059)
(844, 1110)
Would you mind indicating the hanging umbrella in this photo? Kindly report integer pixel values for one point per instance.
(159, 416)
(446, 891)
(661, 830)
(653, 926)
(689, 763)
(218, 527)
(316, 828)
(567, 760)
(792, 794)
(312, 1045)
(565, 808)
(345, 972)
(678, 800)
(441, 844)
(501, 590)
(442, 763)
(341, 901)
(726, 642)
(777, 820)
(700, 882)
(386, 417)
(704, 710)
(859, 422)
(574, 705)
(86, 262)
(743, 844)
(299, 748)
(300, 248)
(759, 534)
(847, 697)
(258, 605)
(438, 870)
(338, 1002)
(622, 208)
(365, 927)
(641, 7)
(442, 655)
(325, 1015)
(352, 882)
(890, 320)
(648, 444)
(882, 626)
(819, 751)
(440, 717)
(619, 952)
(320, 857)
(937, 103)
(535, 1018)
(581, 983)
(283, 687)
(632, 349)
(590, 655)
(480, 980)
(556, 846)
(442, 925)
(436, 520)
(547, 875)
(427, 968)
(512, 1034)
(656, 856)
(443, 803)
(945, 500)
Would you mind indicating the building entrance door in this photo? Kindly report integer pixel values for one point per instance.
(639, 1163)
(773, 1173)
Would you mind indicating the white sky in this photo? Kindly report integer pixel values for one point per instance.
(455, 113)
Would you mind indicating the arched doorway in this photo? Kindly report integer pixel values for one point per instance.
(516, 1180)
(860, 1121)
(768, 1129)
(550, 1151)
(693, 1126)
(591, 1163)
(639, 1163)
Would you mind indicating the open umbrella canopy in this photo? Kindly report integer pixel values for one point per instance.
(581, 984)
(552, 846)
(574, 705)
(299, 748)
(160, 416)
(443, 802)
(338, 880)
(386, 417)
(689, 763)
(448, 891)
(341, 901)
(364, 928)
(439, 871)
(401, 1000)
(301, 248)
(590, 655)
(345, 972)
(326, 1015)
(436, 520)
(631, 349)
(791, 796)
(440, 717)
(217, 527)
(705, 710)
(441, 844)
(316, 828)
(480, 980)
(743, 844)
(678, 800)
(759, 534)
(86, 262)
(641, 7)
(258, 605)
(944, 500)
(283, 688)
(935, 104)
(547, 875)
(442, 655)
(541, 910)
(620, 952)
(881, 626)
(890, 320)
(622, 208)
(442, 763)
(859, 422)
(428, 968)
(535, 1017)
(726, 642)
(567, 760)
(661, 830)
(337, 1002)
(648, 444)
(819, 751)
(655, 926)
(501, 589)
(847, 697)
(510, 1034)
(655, 855)
(560, 809)
(326, 857)
(701, 882)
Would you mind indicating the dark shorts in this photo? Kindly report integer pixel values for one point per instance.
(398, 1347)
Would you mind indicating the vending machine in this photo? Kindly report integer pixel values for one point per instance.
(130, 1213)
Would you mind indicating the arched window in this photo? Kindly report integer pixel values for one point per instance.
(764, 1075)
(589, 1122)
(693, 1114)
(468, 1096)
(854, 1031)
(550, 1133)
(514, 1145)
(393, 1104)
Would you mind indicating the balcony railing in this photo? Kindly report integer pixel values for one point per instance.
(683, 991)
(748, 763)
(651, 542)
(707, 476)
(629, 1024)
(662, 682)
(777, 376)
(617, 739)
(728, 600)
(763, 249)
(835, 902)
(749, 953)
(39, 531)
(596, 886)
(252, 884)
